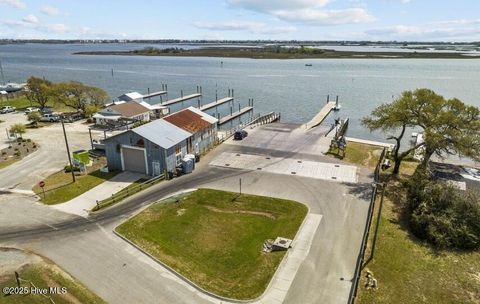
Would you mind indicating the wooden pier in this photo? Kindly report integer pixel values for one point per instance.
(320, 117)
(215, 103)
(181, 99)
(234, 115)
(150, 95)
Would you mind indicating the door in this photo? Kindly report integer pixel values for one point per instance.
(134, 160)
(156, 168)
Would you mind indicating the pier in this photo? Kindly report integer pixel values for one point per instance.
(234, 115)
(215, 103)
(150, 95)
(320, 117)
(181, 99)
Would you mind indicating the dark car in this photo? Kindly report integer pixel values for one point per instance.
(240, 134)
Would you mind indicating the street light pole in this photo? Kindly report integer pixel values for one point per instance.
(68, 151)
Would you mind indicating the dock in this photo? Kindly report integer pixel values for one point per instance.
(216, 103)
(370, 142)
(234, 115)
(180, 99)
(155, 94)
(320, 117)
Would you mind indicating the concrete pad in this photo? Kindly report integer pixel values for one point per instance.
(305, 168)
(82, 204)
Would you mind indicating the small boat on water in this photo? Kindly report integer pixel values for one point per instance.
(10, 86)
(308, 64)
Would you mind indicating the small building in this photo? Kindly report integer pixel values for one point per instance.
(160, 146)
(131, 111)
(156, 110)
(152, 148)
(132, 96)
(202, 126)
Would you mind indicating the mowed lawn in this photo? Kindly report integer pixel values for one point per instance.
(215, 238)
(59, 187)
(410, 271)
(44, 275)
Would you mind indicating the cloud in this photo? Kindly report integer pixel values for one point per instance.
(311, 12)
(252, 27)
(14, 3)
(444, 30)
(56, 28)
(50, 10)
(326, 17)
(31, 19)
(275, 5)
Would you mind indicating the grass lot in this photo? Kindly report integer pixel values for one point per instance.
(45, 275)
(214, 238)
(359, 154)
(411, 271)
(21, 103)
(59, 187)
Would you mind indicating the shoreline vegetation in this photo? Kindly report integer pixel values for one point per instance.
(276, 52)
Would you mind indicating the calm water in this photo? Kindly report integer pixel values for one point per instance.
(285, 86)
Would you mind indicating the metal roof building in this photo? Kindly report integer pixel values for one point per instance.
(162, 133)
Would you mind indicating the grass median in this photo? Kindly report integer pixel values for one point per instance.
(214, 238)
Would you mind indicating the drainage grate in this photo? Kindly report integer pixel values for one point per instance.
(228, 165)
(337, 166)
(267, 157)
(259, 168)
(293, 172)
(334, 177)
(237, 154)
(299, 161)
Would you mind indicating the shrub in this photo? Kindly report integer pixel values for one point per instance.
(443, 215)
(69, 169)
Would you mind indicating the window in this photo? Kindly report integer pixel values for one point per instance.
(141, 143)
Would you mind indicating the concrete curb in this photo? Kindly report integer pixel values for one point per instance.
(194, 285)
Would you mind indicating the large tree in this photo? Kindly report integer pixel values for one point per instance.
(450, 126)
(40, 91)
(78, 95)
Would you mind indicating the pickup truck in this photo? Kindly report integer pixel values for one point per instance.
(7, 109)
(50, 118)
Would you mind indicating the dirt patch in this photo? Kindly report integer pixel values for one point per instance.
(266, 214)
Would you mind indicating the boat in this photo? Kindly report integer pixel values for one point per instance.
(308, 64)
(10, 86)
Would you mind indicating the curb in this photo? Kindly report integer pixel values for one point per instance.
(194, 285)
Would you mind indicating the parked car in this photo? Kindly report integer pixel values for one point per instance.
(50, 117)
(7, 109)
(31, 109)
(240, 134)
(46, 110)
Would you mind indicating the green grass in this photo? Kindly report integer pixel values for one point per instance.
(21, 103)
(219, 249)
(411, 271)
(359, 154)
(59, 187)
(44, 276)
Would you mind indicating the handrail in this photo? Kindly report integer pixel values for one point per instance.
(361, 256)
(124, 193)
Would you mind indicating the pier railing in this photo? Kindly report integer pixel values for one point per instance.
(255, 120)
(361, 256)
(129, 191)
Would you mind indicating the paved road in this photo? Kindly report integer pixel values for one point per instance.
(87, 249)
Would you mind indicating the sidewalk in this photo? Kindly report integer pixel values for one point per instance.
(82, 204)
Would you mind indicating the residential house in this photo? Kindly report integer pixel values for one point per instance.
(129, 111)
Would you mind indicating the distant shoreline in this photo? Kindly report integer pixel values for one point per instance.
(279, 53)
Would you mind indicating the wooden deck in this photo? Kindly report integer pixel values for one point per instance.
(180, 99)
(215, 103)
(320, 117)
(234, 115)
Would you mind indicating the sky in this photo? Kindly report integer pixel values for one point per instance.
(385, 20)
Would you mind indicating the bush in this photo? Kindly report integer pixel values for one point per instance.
(443, 215)
(69, 169)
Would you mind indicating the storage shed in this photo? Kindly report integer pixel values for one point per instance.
(152, 148)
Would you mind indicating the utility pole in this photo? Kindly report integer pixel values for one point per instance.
(68, 151)
(240, 186)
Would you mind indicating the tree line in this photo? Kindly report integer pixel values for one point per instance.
(73, 94)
